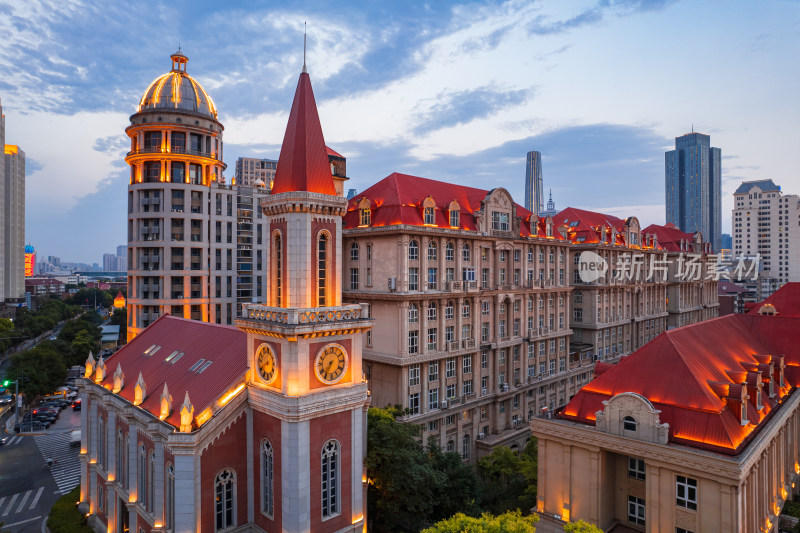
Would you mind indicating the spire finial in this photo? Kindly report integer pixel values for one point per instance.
(305, 33)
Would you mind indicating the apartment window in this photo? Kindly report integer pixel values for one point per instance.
(467, 387)
(485, 307)
(431, 311)
(448, 310)
(451, 392)
(448, 252)
(413, 313)
(431, 251)
(450, 367)
(449, 333)
(353, 283)
(466, 364)
(413, 250)
(485, 332)
(636, 468)
(225, 498)
(449, 420)
(432, 338)
(413, 341)
(499, 221)
(636, 510)
(433, 399)
(330, 479)
(686, 492)
(465, 447)
(484, 359)
(413, 403)
(354, 252)
(413, 279)
(552, 364)
(433, 371)
(465, 308)
(413, 375)
(465, 253)
(501, 357)
(432, 278)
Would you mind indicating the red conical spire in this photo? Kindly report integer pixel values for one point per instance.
(303, 164)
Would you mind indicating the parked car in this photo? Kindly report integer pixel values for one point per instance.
(76, 405)
(42, 411)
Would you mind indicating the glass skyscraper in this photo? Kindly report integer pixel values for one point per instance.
(534, 195)
(693, 179)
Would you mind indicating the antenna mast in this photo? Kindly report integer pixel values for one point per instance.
(304, 47)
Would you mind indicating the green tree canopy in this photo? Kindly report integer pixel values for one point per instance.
(509, 480)
(508, 522)
(40, 370)
(581, 527)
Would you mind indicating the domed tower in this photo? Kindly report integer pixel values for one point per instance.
(181, 217)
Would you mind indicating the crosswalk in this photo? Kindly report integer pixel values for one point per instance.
(13, 440)
(18, 503)
(67, 469)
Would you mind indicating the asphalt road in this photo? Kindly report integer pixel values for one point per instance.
(28, 488)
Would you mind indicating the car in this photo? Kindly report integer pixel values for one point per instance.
(53, 412)
(6, 399)
(76, 405)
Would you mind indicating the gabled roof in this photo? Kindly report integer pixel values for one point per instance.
(333, 152)
(224, 345)
(303, 163)
(584, 225)
(669, 237)
(683, 371)
(786, 301)
(764, 185)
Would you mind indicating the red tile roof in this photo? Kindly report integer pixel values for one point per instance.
(585, 226)
(786, 301)
(333, 152)
(303, 163)
(224, 345)
(398, 198)
(670, 237)
(704, 360)
(42, 281)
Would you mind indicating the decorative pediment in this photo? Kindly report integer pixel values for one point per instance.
(140, 391)
(166, 403)
(100, 370)
(119, 379)
(90, 363)
(187, 415)
(632, 415)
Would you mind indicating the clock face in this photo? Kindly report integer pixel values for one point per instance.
(331, 363)
(267, 367)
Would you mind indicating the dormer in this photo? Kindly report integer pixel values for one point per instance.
(187, 415)
(755, 388)
(119, 379)
(454, 214)
(166, 403)
(139, 391)
(737, 401)
(429, 211)
(632, 415)
(364, 213)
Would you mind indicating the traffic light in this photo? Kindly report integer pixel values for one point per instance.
(6, 383)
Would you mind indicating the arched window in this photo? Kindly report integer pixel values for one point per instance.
(448, 252)
(465, 253)
(322, 268)
(354, 251)
(277, 263)
(413, 313)
(448, 309)
(224, 498)
(141, 484)
(151, 478)
(267, 479)
(431, 251)
(169, 498)
(432, 311)
(629, 423)
(413, 250)
(330, 479)
(455, 214)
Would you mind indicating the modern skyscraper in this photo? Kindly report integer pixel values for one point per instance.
(765, 222)
(534, 195)
(12, 218)
(693, 180)
(250, 169)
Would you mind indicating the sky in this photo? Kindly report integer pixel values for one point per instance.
(453, 91)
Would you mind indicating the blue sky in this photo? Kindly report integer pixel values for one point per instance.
(451, 91)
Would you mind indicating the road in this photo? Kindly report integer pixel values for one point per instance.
(28, 488)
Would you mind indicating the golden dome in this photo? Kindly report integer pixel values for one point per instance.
(177, 90)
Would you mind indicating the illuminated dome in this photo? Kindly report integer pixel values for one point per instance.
(177, 90)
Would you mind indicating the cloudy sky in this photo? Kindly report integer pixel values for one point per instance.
(451, 91)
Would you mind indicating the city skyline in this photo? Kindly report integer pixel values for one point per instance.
(399, 93)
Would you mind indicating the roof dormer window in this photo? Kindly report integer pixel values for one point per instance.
(629, 423)
(364, 213)
(430, 216)
(455, 214)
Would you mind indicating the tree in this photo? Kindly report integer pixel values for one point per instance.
(508, 522)
(81, 345)
(40, 370)
(581, 527)
(119, 318)
(509, 480)
(461, 490)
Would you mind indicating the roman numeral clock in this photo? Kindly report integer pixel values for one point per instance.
(331, 363)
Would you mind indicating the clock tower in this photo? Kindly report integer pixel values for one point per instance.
(305, 383)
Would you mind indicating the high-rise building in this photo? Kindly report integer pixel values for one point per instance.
(185, 251)
(205, 427)
(693, 187)
(766, 222)
(534, 187)
(249, 170)
(12, 218)
(109, 262)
